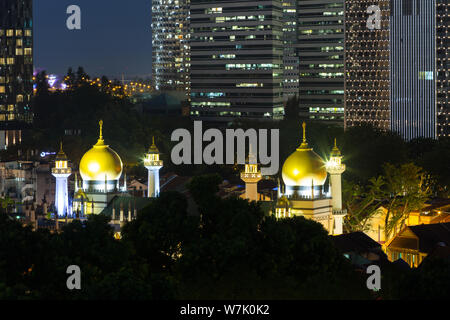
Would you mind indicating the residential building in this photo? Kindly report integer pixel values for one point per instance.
(27, 183)
(170, 40)
(16, 69)
(414, 243)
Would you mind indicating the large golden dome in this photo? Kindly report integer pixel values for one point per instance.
(100, 162)
(304, 166)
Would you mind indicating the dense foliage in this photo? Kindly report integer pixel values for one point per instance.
(230, 250)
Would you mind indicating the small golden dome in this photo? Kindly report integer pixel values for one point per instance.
(100, 162)
(304, 166)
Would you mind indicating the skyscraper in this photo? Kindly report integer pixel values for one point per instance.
(397, 76)
(320, 47)
(413, 68)
(367, 66)
(290, 56)
(16, 69)
(236, 59)
(443, 68)
(170, 42)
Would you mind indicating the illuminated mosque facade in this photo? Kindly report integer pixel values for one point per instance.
(101, 171)
(303, 192)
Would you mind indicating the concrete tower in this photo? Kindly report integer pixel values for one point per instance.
(61, 172)
(153, 165)
(251, 175)
(335, 168)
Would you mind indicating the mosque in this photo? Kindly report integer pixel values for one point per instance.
(303, 192)
(101, 171)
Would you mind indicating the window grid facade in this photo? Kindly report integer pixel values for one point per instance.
(320, 48)
(170, 45)
(236, 60)
(16, 66)
(367, 62)
(413, 43)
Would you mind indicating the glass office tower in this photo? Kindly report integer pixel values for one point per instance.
(236, 60)
(320, 48)
(397, 77)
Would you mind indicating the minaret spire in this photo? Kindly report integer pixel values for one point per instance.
(304, 144)
(153, 164)
(101, 129)
(61, 171)
(304, 132)
(335, 168)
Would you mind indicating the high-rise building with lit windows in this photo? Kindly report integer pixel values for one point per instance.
(236, 59)
(320, 49)
(397, 77)
(367, 66)
(290, 57)
(170, 45)
(443, 68)
(16, 69)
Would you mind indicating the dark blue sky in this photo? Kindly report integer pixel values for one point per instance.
(115, 37)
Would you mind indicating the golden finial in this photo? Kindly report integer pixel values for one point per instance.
(304, 132)
(335, 152)
(304, 145)
(60, 147)
(153, 148)
(101, 129)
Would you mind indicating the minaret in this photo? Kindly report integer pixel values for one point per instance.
(153, 165)
(61, 172)
(335, 168)
(251, 175)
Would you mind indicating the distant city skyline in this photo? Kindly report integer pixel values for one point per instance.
(114, 39)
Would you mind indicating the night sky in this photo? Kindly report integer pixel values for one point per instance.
(115, 37)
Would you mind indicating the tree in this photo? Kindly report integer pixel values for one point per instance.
(407, 189)
(160, 229)
(6, 203)
(401, 190)
(362, 202)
